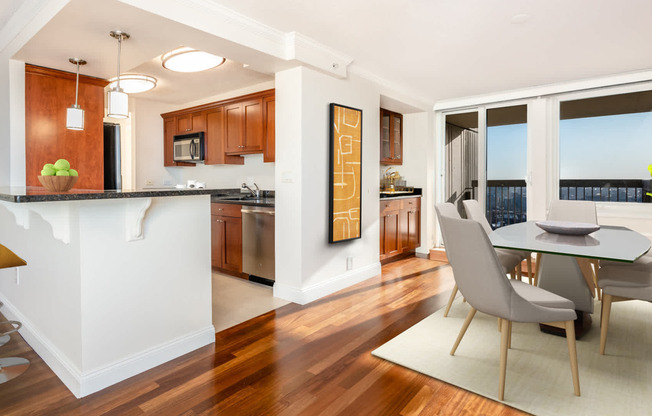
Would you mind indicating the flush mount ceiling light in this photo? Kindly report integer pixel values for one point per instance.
(186, 59)
(133, 83)
(118, 101)
(75, 114)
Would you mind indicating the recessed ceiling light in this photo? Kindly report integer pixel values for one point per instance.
(134, 83)
(186, 59)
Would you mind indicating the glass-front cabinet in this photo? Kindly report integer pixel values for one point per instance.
(391, 137)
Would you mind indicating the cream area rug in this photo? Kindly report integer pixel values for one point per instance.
(538, 377)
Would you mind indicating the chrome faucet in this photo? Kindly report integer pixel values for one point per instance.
(255, 193)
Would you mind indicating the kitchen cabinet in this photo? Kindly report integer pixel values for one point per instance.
(191, 123)
(169, 131)
(391, 138)
(215, 141)
(226, 237)
(269, 121)
(244, 127)
(237, 126)
(400, 227)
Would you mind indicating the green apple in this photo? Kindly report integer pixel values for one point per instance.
(73, 172)
(48, 171)
(62, 164)
(63, 173)
(49, 165)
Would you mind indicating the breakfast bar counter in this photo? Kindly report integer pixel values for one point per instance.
(116, 283)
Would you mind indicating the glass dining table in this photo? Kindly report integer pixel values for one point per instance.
(564, 266)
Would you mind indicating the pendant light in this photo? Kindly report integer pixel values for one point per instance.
(118, 101)
(75, 114)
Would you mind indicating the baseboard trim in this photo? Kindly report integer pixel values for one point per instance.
(81, 384)
(313, 292)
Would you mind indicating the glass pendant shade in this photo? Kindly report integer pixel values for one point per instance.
(118, 104)
(75, 118)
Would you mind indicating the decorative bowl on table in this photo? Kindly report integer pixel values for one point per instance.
(58, 183)
(567, 227)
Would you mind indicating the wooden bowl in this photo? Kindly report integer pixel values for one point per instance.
(58, 183)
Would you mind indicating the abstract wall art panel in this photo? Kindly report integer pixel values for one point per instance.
(345, 173)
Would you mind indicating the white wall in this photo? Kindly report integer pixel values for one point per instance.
(149, 151)
(310, 267)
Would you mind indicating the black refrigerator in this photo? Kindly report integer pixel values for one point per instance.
(112, 173)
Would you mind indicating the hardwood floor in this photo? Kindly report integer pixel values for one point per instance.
(298, 360)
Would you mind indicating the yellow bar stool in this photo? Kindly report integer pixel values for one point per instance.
(10, 367)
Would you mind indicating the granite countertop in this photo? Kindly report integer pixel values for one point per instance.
(417, 192)
(40, 194)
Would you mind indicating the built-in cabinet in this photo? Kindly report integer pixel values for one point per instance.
(233, 127)
(226, 237)
(391, 137)
(400, 226)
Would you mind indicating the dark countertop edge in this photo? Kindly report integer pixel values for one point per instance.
(23, 197)
(417, 193)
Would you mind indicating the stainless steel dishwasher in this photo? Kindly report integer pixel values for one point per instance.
(258, 242)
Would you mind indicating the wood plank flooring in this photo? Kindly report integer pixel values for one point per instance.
(298, 360)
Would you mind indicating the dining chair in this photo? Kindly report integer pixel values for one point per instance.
(475, 212)
(482, 281)
(621, 282)
(575, 211)
(448, 210)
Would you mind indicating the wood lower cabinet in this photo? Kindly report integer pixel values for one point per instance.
(400, 226)
(226, 237)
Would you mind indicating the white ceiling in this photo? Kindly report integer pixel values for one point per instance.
(437, 49)
(455, 48)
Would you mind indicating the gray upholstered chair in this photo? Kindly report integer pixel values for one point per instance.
(507, 257)
(482, 281)
(507, 260)
(620, 282)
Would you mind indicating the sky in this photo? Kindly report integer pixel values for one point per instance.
(607, 147)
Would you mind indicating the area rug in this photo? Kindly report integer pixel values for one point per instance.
(538, 377)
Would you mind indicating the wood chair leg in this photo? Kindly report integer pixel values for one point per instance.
(509, 336)
(537, 267)
(504, 341)
(519, 272)
(572, 352)
(469, 318)
(529, 269)
(450, 300)
(604, 321)
(595, 267)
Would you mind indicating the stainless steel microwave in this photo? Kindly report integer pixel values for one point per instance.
(189, 147)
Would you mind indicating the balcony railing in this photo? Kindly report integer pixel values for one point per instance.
(507, 199)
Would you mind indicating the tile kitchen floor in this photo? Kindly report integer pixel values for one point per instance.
(237, 300)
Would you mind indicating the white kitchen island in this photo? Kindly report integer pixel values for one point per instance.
(116, 282)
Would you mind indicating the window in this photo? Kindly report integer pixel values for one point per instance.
(605, 147)
(506, 165)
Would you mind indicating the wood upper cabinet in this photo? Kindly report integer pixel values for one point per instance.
(233, 127)
(244, 127)
(269, 119)
(226, 237)
(191, 123)
(391, 137)
(215, 139)
(400, 226)
(169, 131)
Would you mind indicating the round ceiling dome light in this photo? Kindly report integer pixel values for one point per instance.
(134, 83)
(186, 59)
